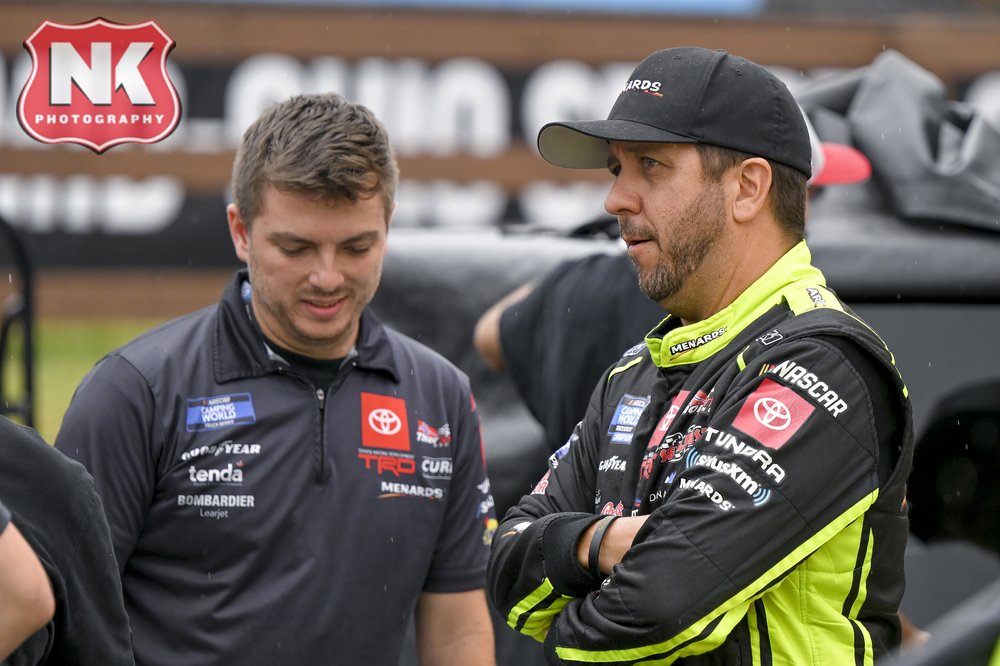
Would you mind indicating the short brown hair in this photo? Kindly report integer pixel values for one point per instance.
(319, 146)
(788, 185)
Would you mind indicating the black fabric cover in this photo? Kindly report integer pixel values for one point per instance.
(935, 159)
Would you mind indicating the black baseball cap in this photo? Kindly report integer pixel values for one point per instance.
(690, 95)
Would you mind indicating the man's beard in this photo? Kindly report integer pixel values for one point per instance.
(694, 235)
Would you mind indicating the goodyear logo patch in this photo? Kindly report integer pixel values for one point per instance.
(220, 411)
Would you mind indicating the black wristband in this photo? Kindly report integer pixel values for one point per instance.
(594, 554)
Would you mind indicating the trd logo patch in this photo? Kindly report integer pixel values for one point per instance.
(98, 84)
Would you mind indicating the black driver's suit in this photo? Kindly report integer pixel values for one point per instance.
(775, 494)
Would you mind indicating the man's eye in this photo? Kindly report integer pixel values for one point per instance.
(648, 162)
(615, 169)
(358, 250)
(291, 251)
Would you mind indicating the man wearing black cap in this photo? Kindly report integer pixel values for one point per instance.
(735, 492)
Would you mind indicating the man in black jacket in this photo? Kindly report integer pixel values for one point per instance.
(287, 480)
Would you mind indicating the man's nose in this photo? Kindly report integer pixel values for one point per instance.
(621, 200)
(325, 273)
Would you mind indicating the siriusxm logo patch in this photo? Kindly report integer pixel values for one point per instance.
(220, 411)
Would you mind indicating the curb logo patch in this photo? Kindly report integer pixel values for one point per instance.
(98, 84)
(772, 414)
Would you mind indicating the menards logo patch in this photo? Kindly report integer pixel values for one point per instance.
(694, 343)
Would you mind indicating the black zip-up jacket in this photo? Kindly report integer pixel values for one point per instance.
(258, 519)
(775, 494)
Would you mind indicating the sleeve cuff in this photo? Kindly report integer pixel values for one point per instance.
(559, 543)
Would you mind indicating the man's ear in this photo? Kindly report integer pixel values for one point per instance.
(753, 185)
(239, 232)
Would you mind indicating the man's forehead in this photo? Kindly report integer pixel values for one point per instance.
(617, 149)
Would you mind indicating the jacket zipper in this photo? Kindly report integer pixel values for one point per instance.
(321, 401)
(321, 397)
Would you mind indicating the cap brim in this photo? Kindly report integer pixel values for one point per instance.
(842, 164)
(584, 144)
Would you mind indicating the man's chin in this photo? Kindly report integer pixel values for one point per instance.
(323, 341)
(656, 292)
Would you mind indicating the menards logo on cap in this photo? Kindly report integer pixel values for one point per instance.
(99, 84)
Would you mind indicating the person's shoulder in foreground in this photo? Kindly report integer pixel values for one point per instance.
(735, 491)
(26, 602)
(54, 505)
(282, 460)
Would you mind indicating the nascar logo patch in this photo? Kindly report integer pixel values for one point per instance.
(220, 411)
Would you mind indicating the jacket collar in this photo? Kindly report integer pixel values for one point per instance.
(671, 343)
(239, 349)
